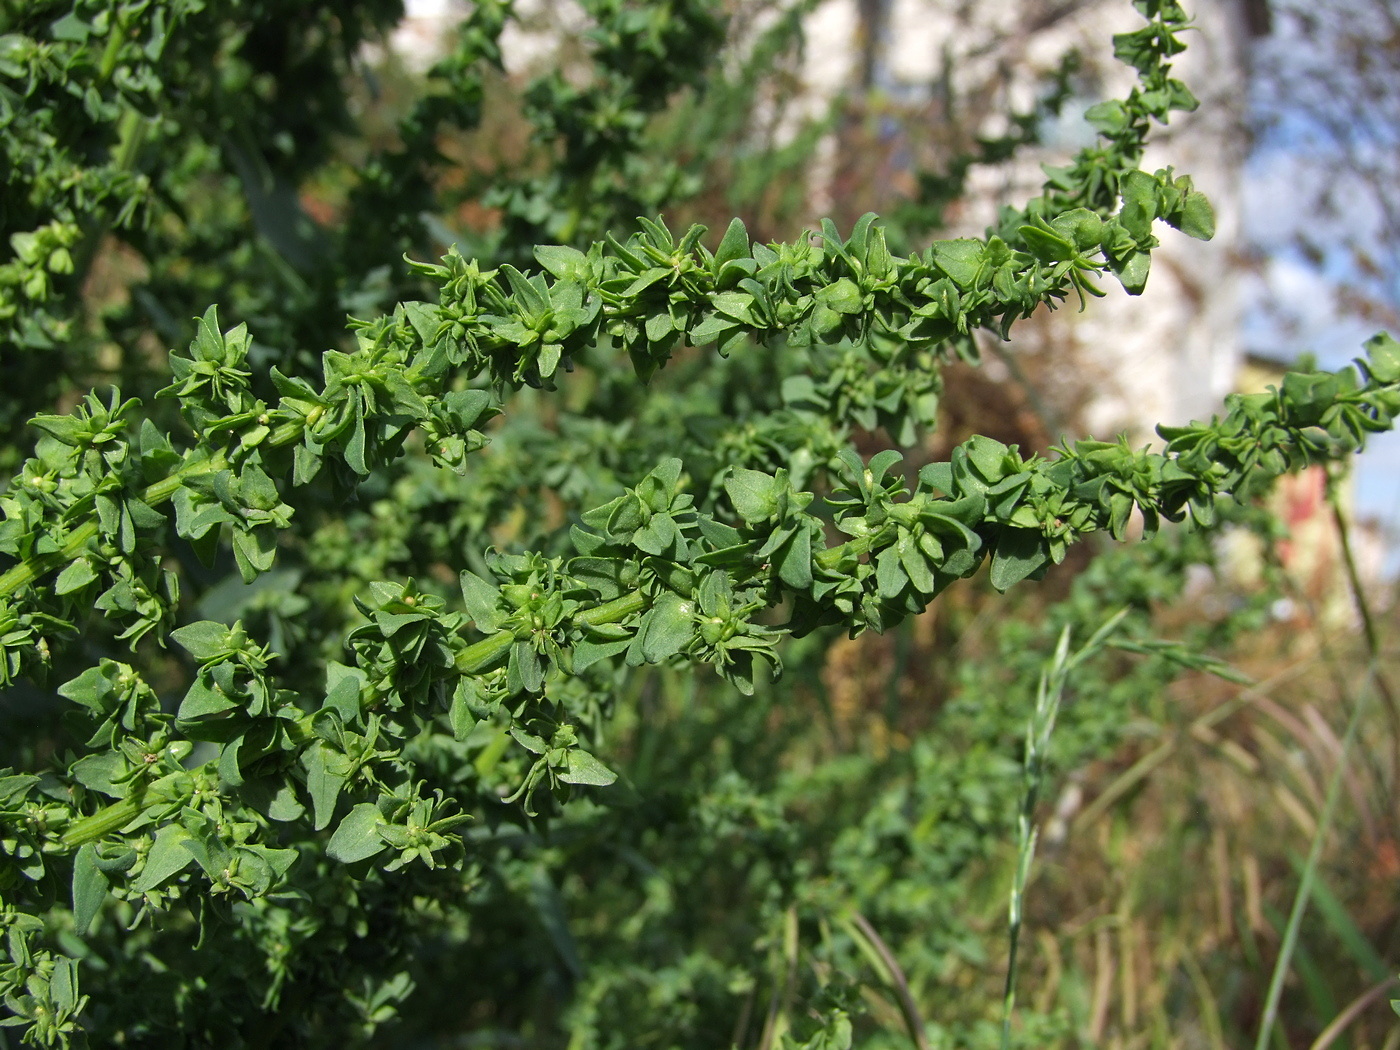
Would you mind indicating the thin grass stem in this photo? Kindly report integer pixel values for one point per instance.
(1373, 683)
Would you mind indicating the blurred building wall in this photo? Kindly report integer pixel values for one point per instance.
(1167, 356)
(1171, 354)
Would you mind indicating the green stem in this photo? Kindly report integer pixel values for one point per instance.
(479, 656)
(614, 611)
(287, 433)
(1053, 679)
(131, 136)
(1368, 624)
(105, 821)
(475, 658)
(832, 557)
(26, 572)
(1375, 682)
(1304, 892)
(113, 50)
(482, 655)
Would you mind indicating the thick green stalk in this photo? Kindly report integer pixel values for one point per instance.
(832, 557)
(104, 821)
(614, 611)
(26, 572)
(112, 52)
(475, 658)
(480, 656)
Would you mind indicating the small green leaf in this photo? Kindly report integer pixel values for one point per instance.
(710, 329)
(536, 745)
(548, 361)
(916, 567)
(89, 888)
(167, 858)
(890, 574)
(735, 306)
(343, 687)
(63, 985)
(1019, 553)
(588, 651)
(208, 851)
(1197, 217)
(988, 456)
(525, 671)
(843, 296)
(92, 688)
(461, 715)
(74, 578)
(322, 785)
(1132, 272)
(101, 772)
(530, 296)
(283, 805)
(355, 447)
(70, 27)
(1107, 118)
(481, 599)
(254, 551)
(15, 785)
(1046, 244)
(563, 262)
(668, 628)
(660, 536)
(938, 476)
(204, 699)
(794, 560)
(659, 327)
(960, 259)
(751, 492)
(1383, 357)
(357, 837)
(230, 767)
(66, 429)
(582, 768)
(205, 640)
(735, 245)
(1139, 209)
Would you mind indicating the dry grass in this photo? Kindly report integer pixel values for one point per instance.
(1161, 914)
(1167, 870)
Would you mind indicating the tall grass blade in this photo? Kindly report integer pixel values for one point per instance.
(1374, 682)
(1053, 680)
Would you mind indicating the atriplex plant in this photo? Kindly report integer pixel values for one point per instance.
(276, 841)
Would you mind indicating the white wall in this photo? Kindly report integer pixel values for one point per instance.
(1166, 356)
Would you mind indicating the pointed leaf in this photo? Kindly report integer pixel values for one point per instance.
(205, 640)
(89, 888)
(167, 858)
(1198, 217)
(669, 626)
(582, 768)
(735, 245)
(480, 599)
(1019, 553)
(357, 837)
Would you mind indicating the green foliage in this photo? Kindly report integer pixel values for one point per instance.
(402, 730)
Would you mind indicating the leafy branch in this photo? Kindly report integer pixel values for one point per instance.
(248, 786)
